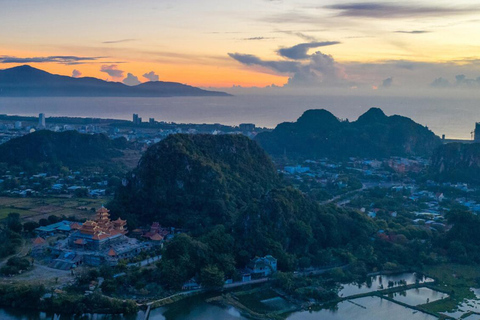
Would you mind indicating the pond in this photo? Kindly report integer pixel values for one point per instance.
(195, 308)
(469, 305)
(417, 296)
(379, 282)
(367, 308)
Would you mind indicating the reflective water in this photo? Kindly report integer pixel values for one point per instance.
(418, 296)
(470, 305)
(368, 308)
(443, 115)
(380, 282)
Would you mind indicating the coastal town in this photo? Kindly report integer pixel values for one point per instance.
(72, 241)
(144, 133)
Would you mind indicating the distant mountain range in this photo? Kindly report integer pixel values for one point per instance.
(26, 81)
(318, 133)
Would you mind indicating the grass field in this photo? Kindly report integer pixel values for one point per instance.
(456, 280)
(252, 299)
(34, 209)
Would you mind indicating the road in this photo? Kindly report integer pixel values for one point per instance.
(343, 195)
(145, 262)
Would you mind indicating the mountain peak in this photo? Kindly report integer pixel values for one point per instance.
(372, 115)
(318, 117)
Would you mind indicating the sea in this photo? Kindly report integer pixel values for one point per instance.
(453, 117)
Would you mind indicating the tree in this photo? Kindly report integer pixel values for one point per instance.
(13, 222)
(211, 277)
(30, 226)
(81, 193)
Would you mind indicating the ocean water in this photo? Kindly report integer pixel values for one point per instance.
(453, 117)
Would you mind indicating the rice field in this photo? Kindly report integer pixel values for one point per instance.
(34, 209)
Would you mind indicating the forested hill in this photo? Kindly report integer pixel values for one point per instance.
(48, 150)
(26, 81)
(225, 192)
(196, 180)
(318, 133)
(456, 162)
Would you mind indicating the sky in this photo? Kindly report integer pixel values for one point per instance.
(349, 46)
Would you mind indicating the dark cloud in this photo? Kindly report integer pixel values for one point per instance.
(461, 81)
(320, 69)
(76, 73)
(394, 10)
(118, 41)
(440, 83)
(112, 70)
(131, 80)
(279, 66)
(151, 76)
(300, 51)
(257, 38)
(387, 83)
(68, 60)
(413, 31)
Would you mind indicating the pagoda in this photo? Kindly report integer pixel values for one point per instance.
(100, 232)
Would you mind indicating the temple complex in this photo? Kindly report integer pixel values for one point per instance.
(99, 233)
(98, 241)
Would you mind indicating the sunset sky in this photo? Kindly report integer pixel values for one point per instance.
(218, 43)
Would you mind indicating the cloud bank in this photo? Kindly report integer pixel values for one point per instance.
(112, 70)
(151, 76)
(76, 73)
(300, 51)
(396, 10)
(131, 80)
(68, 60)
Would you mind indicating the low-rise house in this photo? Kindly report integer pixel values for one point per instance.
(191, 284)
(262, 267)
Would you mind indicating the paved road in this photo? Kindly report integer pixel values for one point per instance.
(145, 262)
(343, 195)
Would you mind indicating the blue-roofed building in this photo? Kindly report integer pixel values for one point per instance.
(262, 266)
(64, 227)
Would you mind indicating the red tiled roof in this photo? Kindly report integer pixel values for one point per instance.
(79, 241)
(156, 237)
(38, 241)
(112, 252)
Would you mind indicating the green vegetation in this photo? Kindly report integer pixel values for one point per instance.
(462, 241)
(10, 236)
(15, 265)
(195, 181)
(35, 209)
(318, 133)
(50, 151)
(454, 279)
(31, 297)
(456, 162)
(225, 192)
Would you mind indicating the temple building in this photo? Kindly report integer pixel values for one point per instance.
(100, 233)
(96, 242)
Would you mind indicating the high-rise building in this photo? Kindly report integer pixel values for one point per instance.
(135, 118)
(151, 120)
(41, 120)
(477, 132)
